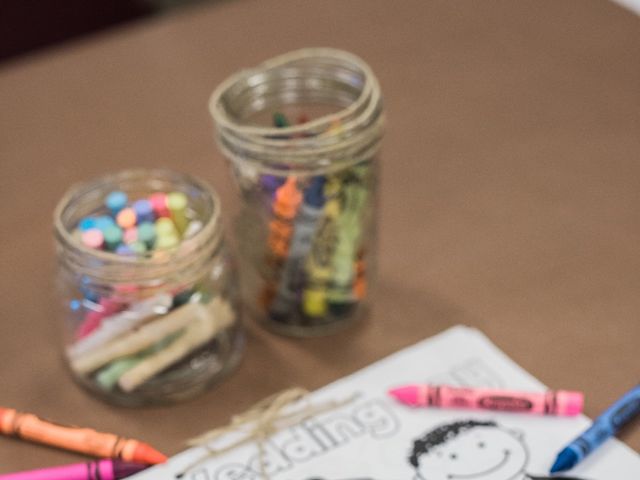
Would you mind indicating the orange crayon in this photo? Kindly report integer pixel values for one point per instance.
(82, 440)
(285, 208)
(360, 283)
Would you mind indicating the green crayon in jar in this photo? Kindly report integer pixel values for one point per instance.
(349, 232)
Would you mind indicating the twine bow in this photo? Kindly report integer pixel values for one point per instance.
(264, 419)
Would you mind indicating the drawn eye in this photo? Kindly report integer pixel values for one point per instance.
(481, 445)
(453, 456)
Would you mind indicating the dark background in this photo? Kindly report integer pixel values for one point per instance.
(27, 26)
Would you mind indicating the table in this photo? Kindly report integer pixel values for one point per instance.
(510, 189)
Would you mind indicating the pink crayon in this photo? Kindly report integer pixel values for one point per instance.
(100, 470)
(93, 318)
(559, 402)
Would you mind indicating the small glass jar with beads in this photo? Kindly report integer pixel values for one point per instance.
(148, 290)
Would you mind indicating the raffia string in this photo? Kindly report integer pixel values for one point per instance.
(264, 419)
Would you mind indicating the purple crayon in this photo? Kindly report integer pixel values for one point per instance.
(99, 470)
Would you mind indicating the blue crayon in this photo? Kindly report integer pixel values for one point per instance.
(144, 211)
(606, 425)
(116, 201)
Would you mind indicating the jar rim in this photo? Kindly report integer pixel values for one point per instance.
(222, 117)
(355, 127)
(210, 231)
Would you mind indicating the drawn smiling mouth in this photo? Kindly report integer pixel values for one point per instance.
(498, 466)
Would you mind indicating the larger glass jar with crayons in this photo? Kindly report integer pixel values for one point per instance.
(302, 133)
(148, 290)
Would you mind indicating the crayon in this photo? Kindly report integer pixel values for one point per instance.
(360, 283)
(536, 477)
(108, 377)
(82, 440)
(561, 402)
(605, 426)
(98, 470)
(271, 183)
(318, 266)
(286, 198)
(301, 241)
(104, 307)
(200, 331)
(349, 229)
(183, 297)
(113, 326)
(140, 339)
(285, 208)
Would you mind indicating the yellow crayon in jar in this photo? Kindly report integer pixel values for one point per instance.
(318, 266)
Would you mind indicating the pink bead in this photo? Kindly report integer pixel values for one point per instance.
(130, 235)
(93, 238)
(159, 204)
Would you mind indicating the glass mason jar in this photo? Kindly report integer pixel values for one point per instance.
(307, 227)
(156, 326)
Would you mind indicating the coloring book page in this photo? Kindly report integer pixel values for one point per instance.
(376, 438)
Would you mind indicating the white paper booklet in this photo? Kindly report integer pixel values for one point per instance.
(376, 438)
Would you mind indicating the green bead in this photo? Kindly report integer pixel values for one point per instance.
(165, 226)
(147, 234)
(112, 237)
(138, 247)
(166, 242)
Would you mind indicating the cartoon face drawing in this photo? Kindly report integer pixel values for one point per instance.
(469, 450)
